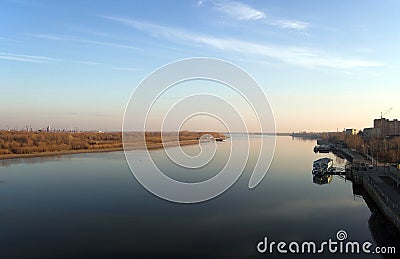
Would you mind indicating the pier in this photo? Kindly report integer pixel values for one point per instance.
(385, 195)
(380, 182)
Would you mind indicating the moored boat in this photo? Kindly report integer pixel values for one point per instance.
(324, 148)
(322, 166)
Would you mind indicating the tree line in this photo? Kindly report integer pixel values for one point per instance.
(18, 142)
(386, 149)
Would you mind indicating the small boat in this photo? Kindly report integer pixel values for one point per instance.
(323, 161)
(324, 148)
(220, 139)
(322, 166)
(318, 171)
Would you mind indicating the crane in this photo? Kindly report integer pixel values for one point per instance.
(385, 113)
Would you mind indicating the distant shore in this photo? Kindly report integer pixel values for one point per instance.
(149, 146)
(57, 153)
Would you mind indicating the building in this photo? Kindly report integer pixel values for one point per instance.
(350, 131)
(371, 132)
(367, 132)
(387, 127)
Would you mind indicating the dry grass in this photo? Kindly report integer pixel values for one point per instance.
(23, 144)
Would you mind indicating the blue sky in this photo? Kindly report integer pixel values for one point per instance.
(75, 63)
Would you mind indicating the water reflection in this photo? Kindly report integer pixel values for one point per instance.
(323, 179)
(57, 158)
(382, 231)
(33, 160)
(302, 139)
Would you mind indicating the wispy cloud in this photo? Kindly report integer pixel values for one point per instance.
(46, 36)
(293, 55)
(84, 62)
(44, 59)
(236, 10)
(241, 11)
(108, 66)
(14, 58)
(27, 58)
(127, 68)
(108, 44)
(80, 40)
(291, 24)
(87, 31)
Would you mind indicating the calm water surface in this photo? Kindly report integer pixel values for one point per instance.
(90, 206)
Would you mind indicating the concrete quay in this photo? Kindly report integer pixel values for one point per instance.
(381, 184)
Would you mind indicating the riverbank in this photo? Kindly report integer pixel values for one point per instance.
(71, 152)
(27, 145)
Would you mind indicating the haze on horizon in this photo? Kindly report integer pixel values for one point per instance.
(324, 66)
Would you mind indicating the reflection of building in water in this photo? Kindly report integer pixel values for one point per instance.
(322, 179)
(383, 232)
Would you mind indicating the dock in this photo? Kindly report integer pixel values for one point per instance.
(381, 182)
(382, 186)
(386, 198)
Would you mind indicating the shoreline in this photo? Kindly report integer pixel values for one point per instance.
(150, 146)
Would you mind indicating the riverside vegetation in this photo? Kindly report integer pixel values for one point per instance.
(22, 143)
(385, 149)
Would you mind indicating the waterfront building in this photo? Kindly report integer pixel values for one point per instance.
(387, 127)
(371, 132)
(350, 131)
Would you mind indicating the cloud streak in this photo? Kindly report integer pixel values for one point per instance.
(292, 55)
(27, 58)
(236, 10)
(79, 40)
(43, 59)
(244, 12)
(289, 24)
(127, 68)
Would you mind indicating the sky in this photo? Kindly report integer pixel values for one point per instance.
(324, 65)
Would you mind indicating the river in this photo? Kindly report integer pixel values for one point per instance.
(91, 206)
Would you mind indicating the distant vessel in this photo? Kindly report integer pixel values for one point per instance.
(322, 166)
(220, 139)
